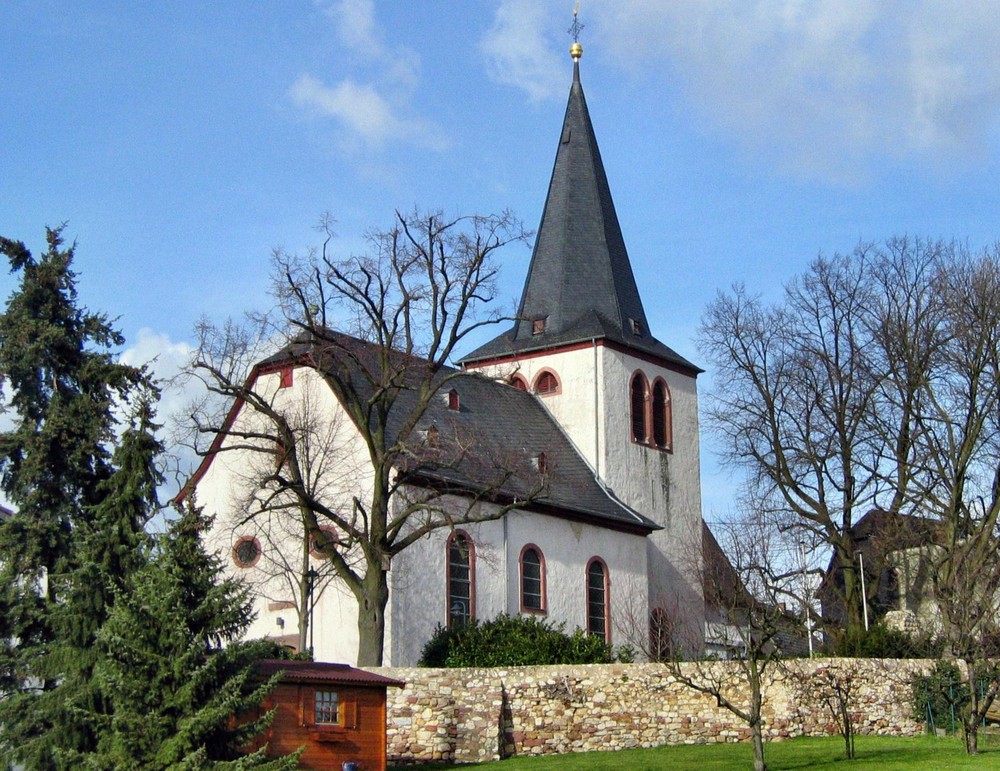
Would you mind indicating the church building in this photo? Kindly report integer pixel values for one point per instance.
(607, 414)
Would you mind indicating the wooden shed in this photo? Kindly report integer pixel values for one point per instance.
(335, 711)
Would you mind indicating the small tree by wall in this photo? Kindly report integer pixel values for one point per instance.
(747, 583)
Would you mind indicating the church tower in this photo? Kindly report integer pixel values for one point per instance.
(582, 344)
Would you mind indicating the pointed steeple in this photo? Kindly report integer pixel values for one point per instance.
(580, 284)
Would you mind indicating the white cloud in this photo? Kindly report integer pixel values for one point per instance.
(165, 360)
(518, 53)
(369, 114)
(366, 115)
(825, 87)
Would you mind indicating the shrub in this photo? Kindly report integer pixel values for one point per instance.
(940, 696)
(882, 642)
(509, 641)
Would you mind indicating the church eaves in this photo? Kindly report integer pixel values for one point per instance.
(580, 284)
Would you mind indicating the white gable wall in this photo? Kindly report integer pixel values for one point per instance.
(340, 469)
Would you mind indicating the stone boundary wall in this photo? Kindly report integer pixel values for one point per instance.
(472, 715)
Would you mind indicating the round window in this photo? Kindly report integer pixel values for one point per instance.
(327, 535)
(246, 552)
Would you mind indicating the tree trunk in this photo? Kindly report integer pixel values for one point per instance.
(758, 749)
(971, 736)
(372, 602)
(756, 708)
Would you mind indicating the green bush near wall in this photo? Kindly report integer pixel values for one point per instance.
(511, 641)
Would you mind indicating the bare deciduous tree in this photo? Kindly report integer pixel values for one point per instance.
(403, 309)
(875, 384)
(748, 578)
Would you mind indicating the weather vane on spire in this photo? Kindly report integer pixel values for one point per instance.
(576, 50)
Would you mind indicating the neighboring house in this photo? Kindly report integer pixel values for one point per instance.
(581, 390)
(893, 550)
(335, 713)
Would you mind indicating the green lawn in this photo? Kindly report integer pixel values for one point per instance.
(884, 753)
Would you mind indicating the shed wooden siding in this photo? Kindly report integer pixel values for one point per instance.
(360, 736)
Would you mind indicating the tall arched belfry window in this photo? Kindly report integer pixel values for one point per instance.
(461, 579)
(639, 399)
(663, 434)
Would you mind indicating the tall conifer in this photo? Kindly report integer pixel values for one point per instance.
(176, 667)
(61, 380)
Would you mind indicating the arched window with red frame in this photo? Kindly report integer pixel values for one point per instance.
(519, 382)
(461, 580)
(532, 580)
(663, 433)
(598, 600)
(639, 399)
(546, 382)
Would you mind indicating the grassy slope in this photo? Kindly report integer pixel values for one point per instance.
(883, 753)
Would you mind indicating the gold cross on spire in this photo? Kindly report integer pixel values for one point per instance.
(576, 50)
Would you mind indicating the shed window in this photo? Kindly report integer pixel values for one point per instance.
(327, 704)
(461, 575)
(597, 599)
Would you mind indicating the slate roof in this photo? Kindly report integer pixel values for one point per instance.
(322, 672)
(580, 279)
(491, 442)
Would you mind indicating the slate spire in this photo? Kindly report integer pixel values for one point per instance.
(580, 284)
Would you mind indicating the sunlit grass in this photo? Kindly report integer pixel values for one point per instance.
(807, 753)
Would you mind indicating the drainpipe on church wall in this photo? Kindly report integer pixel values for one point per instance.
(597, 418)
(506, 569)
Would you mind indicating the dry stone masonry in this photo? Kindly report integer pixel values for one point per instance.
(472, 715)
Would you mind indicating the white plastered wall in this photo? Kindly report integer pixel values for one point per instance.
(665, 486)
(593, 408)
(418, 594)
(339, 470)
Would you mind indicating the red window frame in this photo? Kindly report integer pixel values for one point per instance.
(527, 607)
(598, 596)
(454, 578)
(547, 383)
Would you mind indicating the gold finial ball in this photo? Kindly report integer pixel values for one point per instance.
(576, 51)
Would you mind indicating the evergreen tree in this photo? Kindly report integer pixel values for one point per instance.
(111, 546)
(61, 381)
(176, 668)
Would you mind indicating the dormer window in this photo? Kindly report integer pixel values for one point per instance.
(541, 463)
(454, 403)
(636, 327)
(538, 326)
(430, 437)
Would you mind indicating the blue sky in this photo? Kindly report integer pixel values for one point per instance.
(183, 141)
